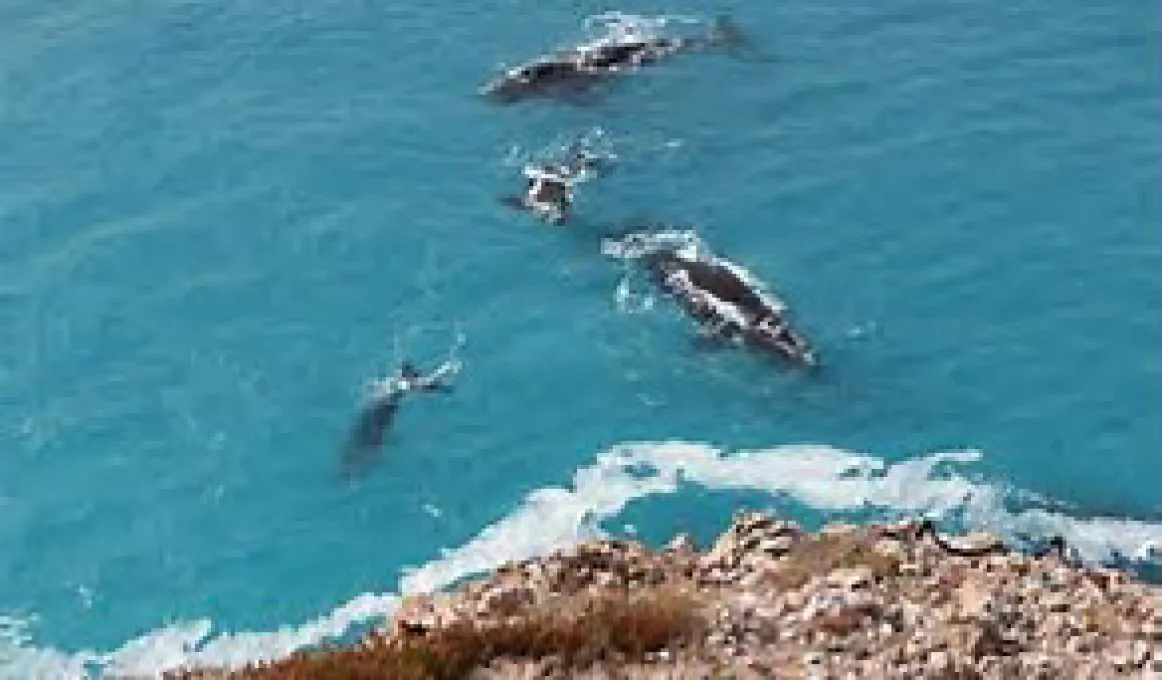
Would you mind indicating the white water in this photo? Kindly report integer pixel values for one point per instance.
(822, 477)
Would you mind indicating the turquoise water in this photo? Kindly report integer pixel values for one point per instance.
(219, 219)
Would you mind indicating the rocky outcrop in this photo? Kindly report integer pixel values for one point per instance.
(885, 601)
(771, 600)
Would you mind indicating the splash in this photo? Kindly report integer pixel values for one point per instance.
(378, 387)
(641, 244)
(622, 27)
(630, 300)
(596, 142)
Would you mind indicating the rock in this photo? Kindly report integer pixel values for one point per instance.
(991, 640)
(1058, 603)
(764, 610)
(938, 662)
(723, 552)
(1108, 579)
(889, 548)
(509, 600)
(681, 544)
(855, 578)
(910, 568)
(1076, 645)
(1126, 656)
(777, 545)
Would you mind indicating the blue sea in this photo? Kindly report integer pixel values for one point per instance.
(220, 220)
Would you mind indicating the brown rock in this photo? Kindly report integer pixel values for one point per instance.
(772, 601)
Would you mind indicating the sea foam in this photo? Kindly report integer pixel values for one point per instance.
(824, 478)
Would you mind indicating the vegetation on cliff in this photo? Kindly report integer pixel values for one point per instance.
(767, 600)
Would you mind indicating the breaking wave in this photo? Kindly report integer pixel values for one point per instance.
(823, 478)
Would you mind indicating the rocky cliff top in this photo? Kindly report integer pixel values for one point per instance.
(771, 600)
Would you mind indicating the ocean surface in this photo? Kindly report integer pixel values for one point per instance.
(218, 220)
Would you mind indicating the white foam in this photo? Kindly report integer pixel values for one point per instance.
(547, 519)
(629, 301)
(594, 141)
(180, 645)
(822, 477)
(640, 244)
(622, 27)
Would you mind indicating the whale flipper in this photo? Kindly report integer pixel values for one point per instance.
(554, 217)
(440, 380)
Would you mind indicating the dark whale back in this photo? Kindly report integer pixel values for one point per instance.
(549, 70)
(757, 318)
(615, 54)
(577, 67)
(534, 78)
(720, 281)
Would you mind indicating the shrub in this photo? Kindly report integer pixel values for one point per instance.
(575, 631)
(821, 554)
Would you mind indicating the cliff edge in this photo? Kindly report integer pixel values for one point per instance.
(767, 600)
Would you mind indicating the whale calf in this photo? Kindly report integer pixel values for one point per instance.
(378, 414)
(549, 190)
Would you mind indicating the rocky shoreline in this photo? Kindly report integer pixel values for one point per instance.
(769, 600)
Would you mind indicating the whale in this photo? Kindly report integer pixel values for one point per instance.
(377, 416)
(572, 72)
(726, 300)
(549, 190)
(718, 295)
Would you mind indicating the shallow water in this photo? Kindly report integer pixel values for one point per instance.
(220, 219)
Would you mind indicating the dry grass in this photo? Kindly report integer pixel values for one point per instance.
(844, 622)
(576, 633)
(1101, 619)
(824, 553)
